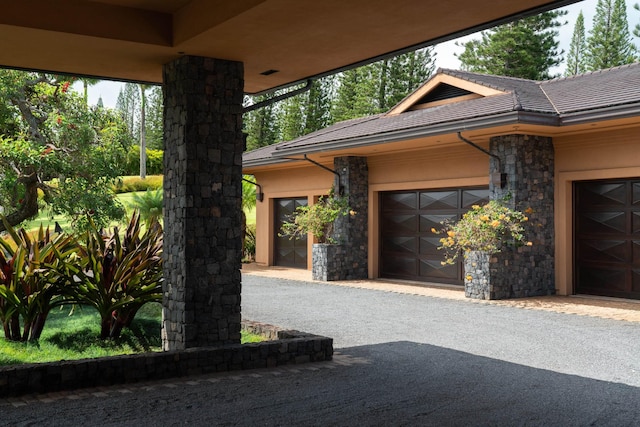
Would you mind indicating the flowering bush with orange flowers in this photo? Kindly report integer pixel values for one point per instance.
(483, 228)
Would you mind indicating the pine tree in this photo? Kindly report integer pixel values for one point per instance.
(318, 105)
(609, 43)
(261, 125)
(292, 117)
(526, 48)
(575, 57)
(356, 95)
(127, 105)
(154, 118)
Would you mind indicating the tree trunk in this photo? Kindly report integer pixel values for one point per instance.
(143, 133)
(29, 206)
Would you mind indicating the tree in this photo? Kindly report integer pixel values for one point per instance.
(54, 143)
(526, 48)
(356, 94)
(575, 57)
(143, 131)
(401, 75)
(261, 125)
(127, 105)
(154, 121)
(609, 43)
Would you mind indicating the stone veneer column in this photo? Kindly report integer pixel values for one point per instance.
(352, 230)
(529, 163)
(203, 144)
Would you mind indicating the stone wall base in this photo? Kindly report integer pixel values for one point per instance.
(287, 348)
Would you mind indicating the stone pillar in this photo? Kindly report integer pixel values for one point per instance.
(351, 231)
(203, 144)
(528, 162)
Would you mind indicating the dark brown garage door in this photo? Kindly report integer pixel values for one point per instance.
(289, 252)
(607, 238)
(409, 250)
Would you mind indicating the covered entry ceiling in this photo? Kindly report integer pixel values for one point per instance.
(279, 41)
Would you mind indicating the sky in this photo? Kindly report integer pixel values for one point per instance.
(445, 58)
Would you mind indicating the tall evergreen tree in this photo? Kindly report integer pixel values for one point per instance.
(318, 105)
(154, 118)
(357, 94)
(127, 104)
(526, 48)
(609, 43)
(292, 117)
(261, 125)
(575, 57)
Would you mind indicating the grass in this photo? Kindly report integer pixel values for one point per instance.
(76, 336)
(48, 220)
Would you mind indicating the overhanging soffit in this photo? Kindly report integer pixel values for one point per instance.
(279, 41)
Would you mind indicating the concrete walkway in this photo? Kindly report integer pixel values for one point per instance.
(404, 358)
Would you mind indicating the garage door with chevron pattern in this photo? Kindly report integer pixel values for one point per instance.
(288, 252)
(408, 249)
(607, 238)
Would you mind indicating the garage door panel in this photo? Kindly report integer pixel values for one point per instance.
(603, 250)
(427, 222)
(405, 245)
(595, 278)
(635, 249)
(400, 224)
(429, 246)
(398, 266)
(400, 201)
(474, 197)
(439, 200)
(433, 268)
(635, 197)
(602, 222)
(603, 194)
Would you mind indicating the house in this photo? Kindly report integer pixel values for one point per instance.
(567, 150)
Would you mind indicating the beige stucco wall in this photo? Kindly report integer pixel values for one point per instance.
(605, 154)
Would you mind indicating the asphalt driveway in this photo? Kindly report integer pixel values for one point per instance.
(400, 359)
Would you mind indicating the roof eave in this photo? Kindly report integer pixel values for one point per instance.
(601, 114)
(507, 118)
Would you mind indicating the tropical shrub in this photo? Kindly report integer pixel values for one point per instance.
(249, 251)
(118, 275)
(33, 279)
(154, 161)
(130, 184)
(483, 228)
(317, 219)
(149, 205)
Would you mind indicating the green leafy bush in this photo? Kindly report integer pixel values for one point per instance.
(128, 184)
(154, 161)
(149, 204)
(33, 279)
(484, 228)
(249, 243)
(317, 219)
(117, 276)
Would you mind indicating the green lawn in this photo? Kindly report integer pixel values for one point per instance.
(48, 220)
(76, 336)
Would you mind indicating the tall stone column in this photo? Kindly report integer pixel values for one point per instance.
(203, 144)
(528, 162)
(352, 230)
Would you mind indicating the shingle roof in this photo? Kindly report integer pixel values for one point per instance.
(548, 100)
